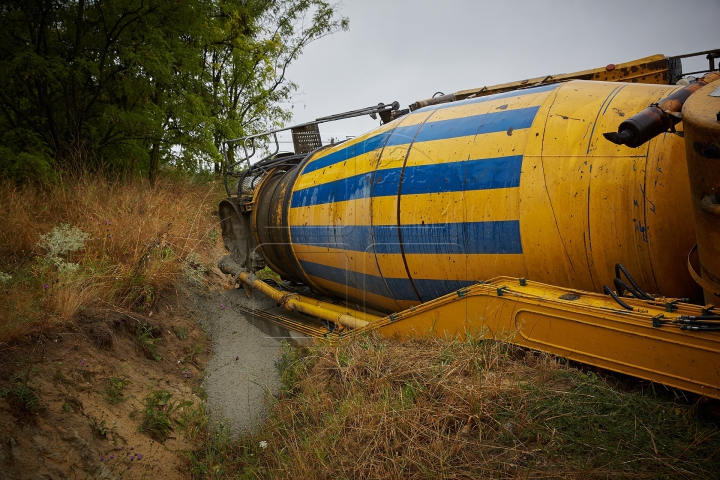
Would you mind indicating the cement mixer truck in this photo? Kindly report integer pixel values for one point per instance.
(576, 214)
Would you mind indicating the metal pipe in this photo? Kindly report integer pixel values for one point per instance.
(657, 118)
(294, 302)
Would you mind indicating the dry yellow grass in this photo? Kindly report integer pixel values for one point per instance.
(379, 408)
(141, 240)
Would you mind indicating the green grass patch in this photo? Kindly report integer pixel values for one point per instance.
(380, 408)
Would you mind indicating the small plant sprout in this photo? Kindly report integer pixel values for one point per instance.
(5, 278)
(100, 429)
(149, 337)
(180, 332)
(22, 395)
(158, 414)
(114, 390)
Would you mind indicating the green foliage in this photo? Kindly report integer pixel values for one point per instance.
(99, 429)
(267, 274)
(293, 364)
(180, 332)
(157, 416)
(113, 392)
(132, 85)
(22, 395)
(149, 336)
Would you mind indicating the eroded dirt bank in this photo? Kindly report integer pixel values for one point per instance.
(120, 395)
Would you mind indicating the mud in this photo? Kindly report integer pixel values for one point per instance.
(242, 368)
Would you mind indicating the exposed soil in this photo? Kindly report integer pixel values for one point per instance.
(84, 428)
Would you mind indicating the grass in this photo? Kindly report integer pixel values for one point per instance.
(114, 390)
(22, 395)
(100, 429)
(380, 408)
(149, 336)
(158, 414)
(90, 243)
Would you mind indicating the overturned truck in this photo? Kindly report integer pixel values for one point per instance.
(575, 214)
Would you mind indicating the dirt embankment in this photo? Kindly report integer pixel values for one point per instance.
(120, 394)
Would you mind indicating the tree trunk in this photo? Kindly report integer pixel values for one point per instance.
(155, 152)
(154, 163)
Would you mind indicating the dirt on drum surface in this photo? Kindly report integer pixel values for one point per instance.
(122, 394)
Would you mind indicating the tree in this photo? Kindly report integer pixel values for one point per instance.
(130, 85)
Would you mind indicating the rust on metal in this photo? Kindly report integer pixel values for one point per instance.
(703, 161)
(655, 69)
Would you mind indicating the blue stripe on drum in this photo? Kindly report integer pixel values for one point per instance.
(357, 149)
(400, 289)
(465, 126)
(451, 128)
(432, 289)
(481, 174)
(499, 237)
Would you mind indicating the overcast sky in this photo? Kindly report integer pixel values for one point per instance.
(406, 50)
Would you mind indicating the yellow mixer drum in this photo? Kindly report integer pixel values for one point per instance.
(520, 184)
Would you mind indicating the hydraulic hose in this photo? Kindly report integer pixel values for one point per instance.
(621, 287)
(619, 267)
(701, 328)
(610, 292)
(695, 318)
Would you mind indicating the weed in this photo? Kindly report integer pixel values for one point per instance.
(157, 414)
(59, 243)
(149, 336)
(120, 461)
(100, 429)
(66, 407)
(193, 352)
(292, 364)
(113, 392)
(180, 332)
(194, 269)
(22, 396)
(267, 274)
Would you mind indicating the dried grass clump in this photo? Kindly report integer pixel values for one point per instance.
(95, 243)
(377, 408)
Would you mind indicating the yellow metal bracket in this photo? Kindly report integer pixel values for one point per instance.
(584, 326)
